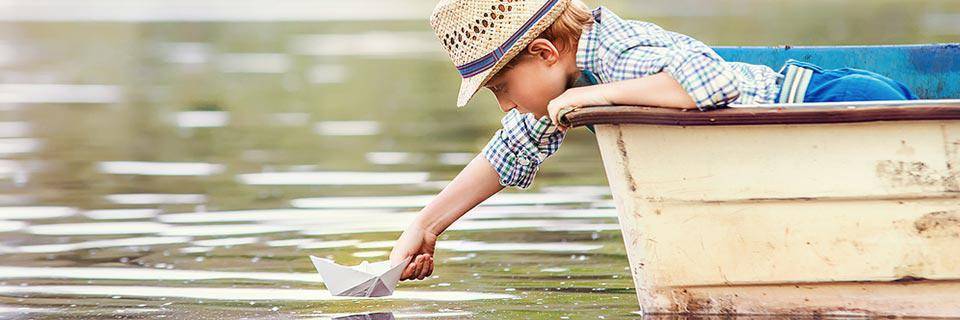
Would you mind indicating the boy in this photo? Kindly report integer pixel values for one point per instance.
(540, 56)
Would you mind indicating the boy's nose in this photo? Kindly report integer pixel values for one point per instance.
(505, 104)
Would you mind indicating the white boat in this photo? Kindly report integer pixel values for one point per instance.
(814, 209)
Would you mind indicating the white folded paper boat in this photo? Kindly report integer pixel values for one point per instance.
(364, 280)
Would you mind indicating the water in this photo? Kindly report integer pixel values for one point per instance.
(153, 168)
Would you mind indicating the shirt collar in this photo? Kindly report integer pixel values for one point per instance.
(587, 45)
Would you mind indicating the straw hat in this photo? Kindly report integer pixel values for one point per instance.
(481, 36)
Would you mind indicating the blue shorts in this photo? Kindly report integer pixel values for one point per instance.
(806, 82)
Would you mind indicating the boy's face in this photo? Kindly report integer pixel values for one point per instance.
(539, 76)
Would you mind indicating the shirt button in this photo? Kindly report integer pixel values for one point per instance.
(524, 161)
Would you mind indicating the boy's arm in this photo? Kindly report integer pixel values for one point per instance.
(643, 64)
(474, 184)
(660, 90)
(511, 158)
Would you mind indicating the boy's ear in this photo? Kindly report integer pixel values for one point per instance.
(544, 49)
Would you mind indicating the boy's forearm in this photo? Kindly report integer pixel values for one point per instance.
(475, 183)
(658, 90)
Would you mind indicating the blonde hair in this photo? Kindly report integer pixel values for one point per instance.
(564, 32)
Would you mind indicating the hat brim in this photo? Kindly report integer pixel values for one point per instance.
(470, 86)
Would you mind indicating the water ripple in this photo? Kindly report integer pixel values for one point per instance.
(148, 274)
(98, 244)
(418, 201)
(160, 168)
(98, 228)
(246, 294)
(29, 213)
(340, 178)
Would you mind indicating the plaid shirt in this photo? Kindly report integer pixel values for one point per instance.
(614, 49)
(517, 150)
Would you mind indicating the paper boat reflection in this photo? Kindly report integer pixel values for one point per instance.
(368, 316)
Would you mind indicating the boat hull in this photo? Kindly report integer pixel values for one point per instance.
(859, 218)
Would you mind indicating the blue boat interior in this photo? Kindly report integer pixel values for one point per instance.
(932, 71)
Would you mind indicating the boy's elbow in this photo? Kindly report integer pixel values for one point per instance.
(719, 99)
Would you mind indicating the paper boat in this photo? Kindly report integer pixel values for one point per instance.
(364, 280)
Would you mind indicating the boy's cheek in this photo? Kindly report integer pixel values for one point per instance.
(537, 103)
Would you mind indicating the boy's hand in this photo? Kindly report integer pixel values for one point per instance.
(576, 97)
(418, 243)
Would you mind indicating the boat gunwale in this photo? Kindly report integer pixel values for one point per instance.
(767, 114)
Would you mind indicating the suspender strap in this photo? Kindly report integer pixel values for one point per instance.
(795, 83)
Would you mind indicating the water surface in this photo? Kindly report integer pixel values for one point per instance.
(183, 160)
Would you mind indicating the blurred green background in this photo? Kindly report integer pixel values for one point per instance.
(312, 86)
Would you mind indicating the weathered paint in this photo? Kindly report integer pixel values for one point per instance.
(908, 298)
(931, 71)
(856, 218)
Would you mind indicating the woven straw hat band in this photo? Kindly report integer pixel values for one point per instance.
(481, 36)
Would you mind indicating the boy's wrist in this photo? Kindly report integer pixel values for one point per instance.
(427, 225)
(597, 95)
(607, 92)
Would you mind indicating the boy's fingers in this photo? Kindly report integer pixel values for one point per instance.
(403, 274)
(430, 267)
(415, 270)
(421, 269)
(410, 271)
(427, 265)
(420, 266)
(406, 273)
(427, 270)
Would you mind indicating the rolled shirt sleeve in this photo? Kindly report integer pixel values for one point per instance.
(517, 150)
(702, 73)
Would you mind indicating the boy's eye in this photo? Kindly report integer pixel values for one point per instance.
(496, 88)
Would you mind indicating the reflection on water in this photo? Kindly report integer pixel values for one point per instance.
(274, 215)
(121, 214)
(29, 213)
(392, 158)
(201, 119)
(185, 52)
(14, 129)
(154, 167)
(142, 274)
(397, 315)
(13, 146)
(227, 230)
(254, 62)
(155, 198)
(7, 226)
(99, 244)
(59, 93)
(365, 316)
(328, 244)
(98, 228)
(502, 199)
(225, 242)
(333, 178)
(244, 294)
(471, 246)
(160, 168)
(347, 128)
